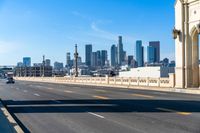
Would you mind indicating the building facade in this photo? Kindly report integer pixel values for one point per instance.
(88, 53)
(139, 53)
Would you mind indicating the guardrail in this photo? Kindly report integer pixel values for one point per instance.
(115, 81)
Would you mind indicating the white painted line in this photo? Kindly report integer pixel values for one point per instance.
(160, 93)
(25, 91)
(67, 91)
(36, 94)
(100, 116)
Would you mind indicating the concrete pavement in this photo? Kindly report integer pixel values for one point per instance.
(50, 108)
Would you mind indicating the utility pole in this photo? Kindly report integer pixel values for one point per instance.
(76, 61)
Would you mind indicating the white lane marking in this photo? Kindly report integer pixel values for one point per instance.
(67, 91)
(36, 94)
(100, 116)
(161, 93)
(25, 91)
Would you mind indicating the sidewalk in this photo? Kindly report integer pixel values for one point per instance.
(7, 123)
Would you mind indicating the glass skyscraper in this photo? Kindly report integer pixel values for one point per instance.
(156, 45)
(139, 53)
(88, 53)
(151, 54)
(27, 61)
(104, 57)
(113, 55)
(120, 51)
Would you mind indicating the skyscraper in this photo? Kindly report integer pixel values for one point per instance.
(113, 55)
(94, 59)
(98, 58)
(88, 53)
(120, 51)
(156, 45)
(68, 59)
(104, 57)
(151, 55)
(27, 61)
(130, 60)
(48, 62)
(139, 53)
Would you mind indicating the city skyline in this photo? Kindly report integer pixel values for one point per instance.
(32, 30)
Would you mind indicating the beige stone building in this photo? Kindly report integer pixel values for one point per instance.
(186, 33)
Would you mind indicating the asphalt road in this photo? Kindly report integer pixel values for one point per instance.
(58, 108)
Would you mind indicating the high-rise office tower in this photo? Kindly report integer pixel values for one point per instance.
(27, 61)
(88, 53)
(47, 62)
(94, 59)
(104, 57)
(139, 53)
(151, 55)
(68, 59)
(130, 60)
(120, 51)
(98, 58)
(156, 45)
(113, 55)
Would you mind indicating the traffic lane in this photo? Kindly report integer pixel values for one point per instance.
(123, 116)
(101, 89)
(33, 119)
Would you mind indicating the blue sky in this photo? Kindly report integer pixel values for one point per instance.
(52, 27)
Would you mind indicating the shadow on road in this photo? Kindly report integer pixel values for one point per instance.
(92, 105)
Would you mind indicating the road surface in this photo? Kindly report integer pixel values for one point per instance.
(58, 108)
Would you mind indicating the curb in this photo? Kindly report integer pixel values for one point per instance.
(10, 119)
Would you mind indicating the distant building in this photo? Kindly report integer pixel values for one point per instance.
(19, 64)
(156, 45)
(27, 61)
(34, 71)
(88, 53)
(165, 62)
(120, 51)
(151, 55)
(130, 60)
(94, 59)
(47, 62)
(139, 53)
(113, 55)
(104, 57)
(98, 58)
(58, 66)
(148, 72)
(68, 59)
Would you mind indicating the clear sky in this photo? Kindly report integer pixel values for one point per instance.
(52, 27)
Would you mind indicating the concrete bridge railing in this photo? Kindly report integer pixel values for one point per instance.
(113, 81)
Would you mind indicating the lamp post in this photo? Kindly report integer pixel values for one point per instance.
(76, 61)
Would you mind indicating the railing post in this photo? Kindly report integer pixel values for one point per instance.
(172, 79)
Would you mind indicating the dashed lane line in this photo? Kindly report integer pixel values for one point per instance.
(97, 115)
(36, 94)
